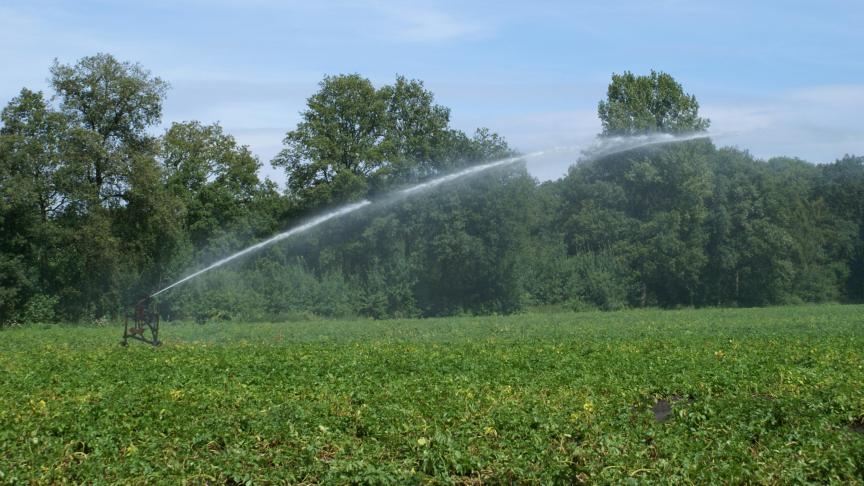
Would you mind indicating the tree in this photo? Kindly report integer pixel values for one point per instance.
(110, 105)
(470, 238)
(355, 140)
(416, 129)
(637, 105)
(32, 136)
(649, 207)
(31, 198)
(216, 182)
(841, 185)
(338, 144)
(95, 210)
(645, 205)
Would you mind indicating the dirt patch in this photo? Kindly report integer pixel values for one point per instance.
(857, 426)
(662, 409)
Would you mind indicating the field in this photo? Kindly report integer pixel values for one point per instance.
(768, 396)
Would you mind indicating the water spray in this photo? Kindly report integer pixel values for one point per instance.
(350, 208)
(144, 316)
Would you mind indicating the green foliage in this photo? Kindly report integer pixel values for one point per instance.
(109, 105)
(213, 182)
(339, 143)
(758, 396)
(597, 280)
(637, 105)
(702, 226)
(841, 187)
(15, 287)
(97, 212)
(355, 140)
(40, 308)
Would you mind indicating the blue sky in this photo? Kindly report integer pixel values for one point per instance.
(775, 77)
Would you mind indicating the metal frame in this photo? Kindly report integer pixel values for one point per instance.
(144, 318)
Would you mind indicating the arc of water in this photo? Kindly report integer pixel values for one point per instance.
(605, 147)
(281, 236)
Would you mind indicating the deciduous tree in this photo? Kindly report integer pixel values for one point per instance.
(637, 105)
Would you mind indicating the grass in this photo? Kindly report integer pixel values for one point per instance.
(769, 396)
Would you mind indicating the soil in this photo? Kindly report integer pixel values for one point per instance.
(857, 426)
(663, 408)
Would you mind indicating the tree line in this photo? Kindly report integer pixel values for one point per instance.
(97, 210)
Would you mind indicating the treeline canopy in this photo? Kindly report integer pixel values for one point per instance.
(96, 211)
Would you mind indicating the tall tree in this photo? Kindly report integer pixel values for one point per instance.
(338, 143)
(110, 105)
(355, 139)
(841, 185)
(31, 198)
(637, 105)
(216, 181)
(416, 129)
(32, 137)
(646, 205)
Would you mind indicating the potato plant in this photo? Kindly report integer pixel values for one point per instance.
(768, 396)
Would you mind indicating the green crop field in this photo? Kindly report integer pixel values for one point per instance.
(769, 396)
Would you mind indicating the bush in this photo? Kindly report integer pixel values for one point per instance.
(39, 309)
(598, 280)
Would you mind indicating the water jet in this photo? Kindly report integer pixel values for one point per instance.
(145, 317)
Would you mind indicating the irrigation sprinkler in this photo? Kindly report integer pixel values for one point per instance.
(145, 317)
(142, 323)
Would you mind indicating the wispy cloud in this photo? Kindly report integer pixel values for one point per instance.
(422, 23)
(835, 95)
(818, 124)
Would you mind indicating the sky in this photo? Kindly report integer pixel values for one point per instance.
(775, 77)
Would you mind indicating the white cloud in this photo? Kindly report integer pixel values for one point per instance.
(414, 23)
(836, 95)
(818, 124)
